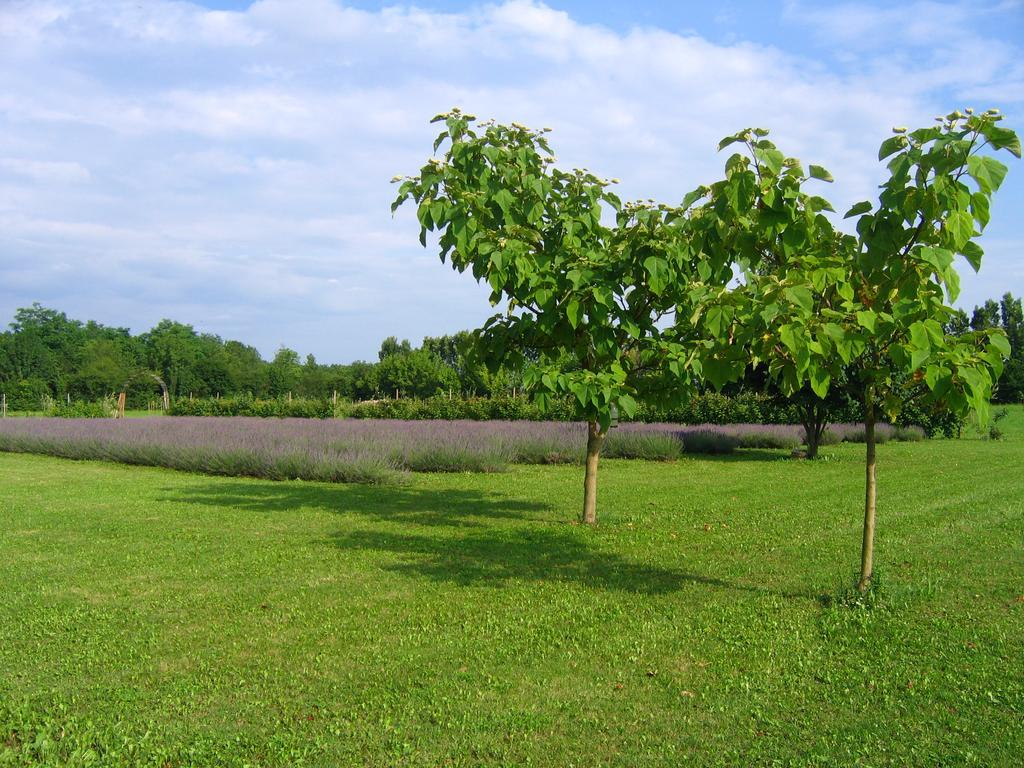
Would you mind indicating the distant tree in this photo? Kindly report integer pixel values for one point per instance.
(415, 374)
(172, 351)
(313, 381)
(986, 316)
(361, 381)
(958, 323)
(391, 346)
(284, 372)
(246, 368)
(103, 370)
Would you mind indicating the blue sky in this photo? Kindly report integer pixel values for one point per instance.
(227, 164)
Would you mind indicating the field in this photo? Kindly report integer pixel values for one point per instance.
(153, 617)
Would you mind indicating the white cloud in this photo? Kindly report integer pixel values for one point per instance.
(60, 172)
(170, 160)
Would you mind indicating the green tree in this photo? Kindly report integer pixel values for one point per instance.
(361, 381)
(986, 316)
(103, 370)
(284, 372)
(589, 283)
(246, 369)
(877, 300)
(391, 346)
(172, 351)
(415, 374)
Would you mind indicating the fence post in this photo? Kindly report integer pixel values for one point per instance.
(3, 408)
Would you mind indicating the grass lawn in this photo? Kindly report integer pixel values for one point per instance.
(150, 617)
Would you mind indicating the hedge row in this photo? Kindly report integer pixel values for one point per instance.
(297, 408)
(705, 408)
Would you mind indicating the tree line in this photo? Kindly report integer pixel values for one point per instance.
(46, 354)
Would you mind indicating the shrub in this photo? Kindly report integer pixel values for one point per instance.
(911, 434)
(653, 446)
(931, 419)
(856, 433)
(830, 437)
(769, 439)
(99, 409)
(298, 408)
(709, 441)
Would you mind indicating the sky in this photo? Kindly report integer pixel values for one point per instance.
(227, 164)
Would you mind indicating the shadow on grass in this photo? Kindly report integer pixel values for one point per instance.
(743, 454)
(471, 538)
(391, 504)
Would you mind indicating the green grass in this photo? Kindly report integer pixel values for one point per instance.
(151, 617)
(138, 413)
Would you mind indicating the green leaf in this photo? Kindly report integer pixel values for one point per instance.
(919, 336)
(858, 209)
(817, 172)
(657, 269)
(867, 320)
(627, 405)
(789, 338)
(891, 146)
(717, 320)
(728, 140)
(504, 199)
(960, 225)
(771, 159)
(574, 312)
(692, 197)
(980, 209)
(820, 380)
(987, 172)
(940, 258)
(952, 280)
(998, 340)
(1003, 138)
(918, 357)
(801, 297)
(973, 253)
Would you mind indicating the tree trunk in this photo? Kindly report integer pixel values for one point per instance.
(595, 439)
(867, 552)
(813, 438)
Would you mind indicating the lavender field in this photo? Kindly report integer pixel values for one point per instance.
(370, 451)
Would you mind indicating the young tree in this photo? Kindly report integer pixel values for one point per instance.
(822, 300)
(588, 283)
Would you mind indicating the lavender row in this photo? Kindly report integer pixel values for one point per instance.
(368, 451)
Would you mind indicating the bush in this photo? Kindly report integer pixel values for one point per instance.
(911, 434)
(449, 458)
(932, 420)
(858, 434)
(709, 441)
(99, 409)
(298, 408)
(830, 437)
(766, 439)
(653, 446)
